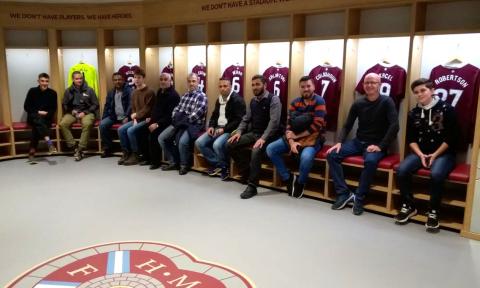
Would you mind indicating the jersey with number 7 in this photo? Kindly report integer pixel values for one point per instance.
(459, 87)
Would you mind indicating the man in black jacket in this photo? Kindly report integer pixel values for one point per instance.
(228, 113)
(80, 103)
(117, 110)
(40, 105)
(165, 101)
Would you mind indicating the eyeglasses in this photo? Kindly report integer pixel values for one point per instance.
(371, 83)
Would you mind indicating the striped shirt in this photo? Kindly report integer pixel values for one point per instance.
(315, 107)
(194, 104)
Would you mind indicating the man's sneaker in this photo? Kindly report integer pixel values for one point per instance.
(342, 200)
(290, 182)
(432, 221)
(170, 167)
(214, 171)
(52, 149)
(78, 155)
(124, 157)
(106, 153)
(31, 159)
(183, 170)
(405, 214)
(225, 174)
(357, 208)
(297, 191)
(132, 160)
(249, 192)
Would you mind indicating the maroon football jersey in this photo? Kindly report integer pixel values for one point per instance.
(168, 69)
(393, 82)
(235, 74)
(277, 83)
(459, 87)
(327, 85)
(201, 71)
(127, 73)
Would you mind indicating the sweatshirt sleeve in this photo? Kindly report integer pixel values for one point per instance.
(27, 105)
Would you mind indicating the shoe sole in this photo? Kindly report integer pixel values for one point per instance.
(348, 200)
(405, 220)
(432, 227)
(214, 173)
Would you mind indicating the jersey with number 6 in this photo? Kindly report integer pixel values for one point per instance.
(277, 83)
(235, 74)
(201, 71)
(459, 87)
(393, 82)
(327, 85)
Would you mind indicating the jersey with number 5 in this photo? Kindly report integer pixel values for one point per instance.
(393, 80)
(235, 74)
(327, 85)
(277, 83)
(459, 87)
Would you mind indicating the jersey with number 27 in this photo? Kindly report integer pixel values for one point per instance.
(327, 85)
(235, 74)
(459, 87)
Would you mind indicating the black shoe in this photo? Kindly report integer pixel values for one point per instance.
(106, 153)
(170, 167)
(144, 163)
(432, 221)
(214, 171)
(297, 191)
(225, 174)
(249, 192)
(154, 166)
(124, 157)
(357, 208)
(342, 200)
(78, 155)
(405, 214)
(183, 170)
(132, 160)
(290, 182)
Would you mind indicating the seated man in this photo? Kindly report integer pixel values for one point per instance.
(40, 105)
(303, 138)
(166, 100)
(80, 103)
(377, 128)
(431, 134)
(117, 110)
(247, 145)
(228, 113)
(187, 124)
(142, 103)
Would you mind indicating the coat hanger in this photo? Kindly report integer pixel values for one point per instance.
(81, 59)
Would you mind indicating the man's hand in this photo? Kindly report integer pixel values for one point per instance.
(259, 144)
(219, 131)
(335, 148)
(81, 115)
(210, 131)
(42, 113)
(430, 159)
(135, 122)
(290, 135)
(373, 148)
(234, 138)
(152, 127)
(148, 120)
(133, 116)
(294, 146)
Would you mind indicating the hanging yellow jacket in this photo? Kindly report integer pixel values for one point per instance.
(89, 73)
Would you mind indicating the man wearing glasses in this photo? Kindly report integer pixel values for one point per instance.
(377, 128)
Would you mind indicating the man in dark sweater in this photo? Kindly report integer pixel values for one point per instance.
(247, 146)
(40, 105)
(432, 133)
(228, 113)
(377, 128)
(142, 103)
(80, 103)
(117, 110)
(166, 100)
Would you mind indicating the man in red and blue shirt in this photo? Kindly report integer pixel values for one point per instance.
(303, 137)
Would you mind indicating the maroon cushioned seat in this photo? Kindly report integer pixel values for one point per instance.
(116, 126)
(4, 127)
(461, 172)
(25, 126)
(387, 162)
(322, 154)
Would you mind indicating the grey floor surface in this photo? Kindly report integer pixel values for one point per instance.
(59, 205)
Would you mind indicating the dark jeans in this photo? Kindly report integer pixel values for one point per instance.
(441, 167)
(247, 159)
(105, 133)
(154, 151)
(370, 162)
(40, 129)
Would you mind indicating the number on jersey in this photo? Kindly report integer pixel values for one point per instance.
(443, 94)
(236, 84)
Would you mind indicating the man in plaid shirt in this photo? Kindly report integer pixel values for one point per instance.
(187, 124)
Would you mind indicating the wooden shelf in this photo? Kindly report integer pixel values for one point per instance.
(5, 144)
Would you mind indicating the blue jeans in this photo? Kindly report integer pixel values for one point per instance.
(370, 163)
(275, 151)
(128, 135)
(105, 133)
(179, 153)
(441, 167)
(214, 149)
